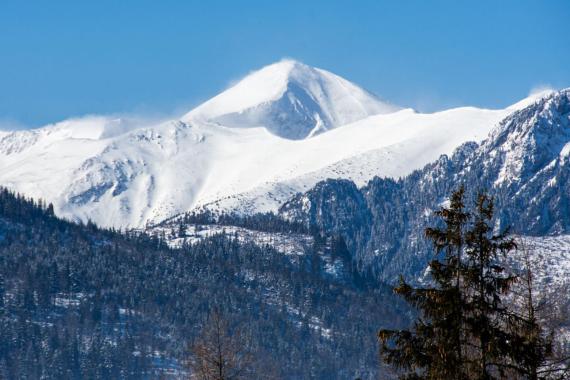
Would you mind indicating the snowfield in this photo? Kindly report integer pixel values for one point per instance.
(277, 132)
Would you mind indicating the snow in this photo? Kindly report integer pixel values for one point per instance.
(69, 299)
(565, 151)
(550, 260)
(533, 97)
(292, 100)
(523, 139)
(111, 172)
(390, 145)
(289, 244)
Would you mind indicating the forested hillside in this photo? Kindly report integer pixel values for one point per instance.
(82, 302)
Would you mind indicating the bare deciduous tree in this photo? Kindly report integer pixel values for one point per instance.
(544, 309)
(220, 353)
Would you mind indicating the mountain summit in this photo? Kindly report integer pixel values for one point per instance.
(292, 100)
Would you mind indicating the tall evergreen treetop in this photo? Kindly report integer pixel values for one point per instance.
(466, 329)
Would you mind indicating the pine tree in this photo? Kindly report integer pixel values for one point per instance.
(182, 230)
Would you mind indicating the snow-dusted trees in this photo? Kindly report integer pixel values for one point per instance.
(83, 302)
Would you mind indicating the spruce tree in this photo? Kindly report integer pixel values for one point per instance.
(434, 348)
(488, 320)
(466, 329)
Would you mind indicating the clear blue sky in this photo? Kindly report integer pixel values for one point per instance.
(68, 58)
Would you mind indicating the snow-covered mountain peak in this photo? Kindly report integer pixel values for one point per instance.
(292, 100)
(230, 154)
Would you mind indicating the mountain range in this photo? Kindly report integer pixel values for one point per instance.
(277, 132)
(291, 202)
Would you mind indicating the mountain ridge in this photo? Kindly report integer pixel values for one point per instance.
(122, 173)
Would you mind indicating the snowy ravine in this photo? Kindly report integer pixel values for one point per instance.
(277, 132)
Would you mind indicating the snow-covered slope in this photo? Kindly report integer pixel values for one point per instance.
(291, 100)
(390, 145)
(115, 174)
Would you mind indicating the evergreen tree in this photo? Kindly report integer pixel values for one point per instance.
(433, 350)
(182, 230)
(465, 329)
(488, 319)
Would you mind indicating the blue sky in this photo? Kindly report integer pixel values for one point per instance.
(69, 58)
